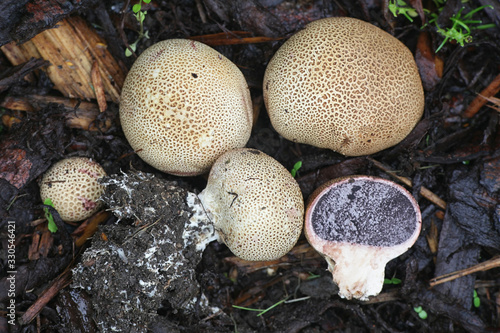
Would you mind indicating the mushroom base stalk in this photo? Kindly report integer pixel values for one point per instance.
(358, 270)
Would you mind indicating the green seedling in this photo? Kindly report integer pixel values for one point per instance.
(477, 300)
(261, 311)
(52, 225)
(399, 7)
(296, 168)
(140, 15)
(421, 312)
(462, 26)
(392, 281)
(313, 276)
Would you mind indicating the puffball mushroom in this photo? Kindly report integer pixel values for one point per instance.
(182, 105)
(343, 84)
(73, 187)
(360, 223)
(254, 203)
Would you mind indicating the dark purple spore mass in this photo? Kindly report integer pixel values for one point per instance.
(364, 211)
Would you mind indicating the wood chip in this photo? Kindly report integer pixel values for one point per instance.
(72, 48)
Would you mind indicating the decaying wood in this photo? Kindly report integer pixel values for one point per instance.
(81, 115)
(15, 74)
(87, 229)
(72, 48)
(59, 283)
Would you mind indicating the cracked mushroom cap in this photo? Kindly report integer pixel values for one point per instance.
(255, 204)
(360, 223)
(72, 185)
(343, 84)
(182, 105)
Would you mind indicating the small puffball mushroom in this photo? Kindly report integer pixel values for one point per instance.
(360, 223)
(182, 105)
(256, 206)
(73, 187)
(343, 84)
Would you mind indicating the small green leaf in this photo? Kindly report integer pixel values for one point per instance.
(477, 300)
(146, 1)
(52, 225)
(313, 276)
(296, 168)
(132, 46)
(136, 8)
(422, 314)
(392, 281)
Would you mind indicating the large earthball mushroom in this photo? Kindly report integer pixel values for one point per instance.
(343, 84)
(360, 223)
(182, 105)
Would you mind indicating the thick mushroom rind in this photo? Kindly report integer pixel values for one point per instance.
(343, 84)
(73, 186)
(359, 224)
(183, 104)
(255, 204)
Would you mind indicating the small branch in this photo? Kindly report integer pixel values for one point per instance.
(491, 90)
(425, 192)
(484, 266)
(48, 294)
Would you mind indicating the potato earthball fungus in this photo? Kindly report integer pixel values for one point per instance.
(182, 105)
(343, 84)
(254, 203)
(73, 187)
(360, 223)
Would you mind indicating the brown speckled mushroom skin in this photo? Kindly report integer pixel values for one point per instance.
(255, 204)
(343, 84)
(183, 104)
(72, 185)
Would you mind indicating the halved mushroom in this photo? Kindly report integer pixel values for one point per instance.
(360, 223)
(343, 84)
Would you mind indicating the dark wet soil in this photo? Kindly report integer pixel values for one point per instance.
(134, 275)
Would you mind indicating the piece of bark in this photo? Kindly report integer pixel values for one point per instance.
(453, 255)
(21, 20)
(469, 224)
(72, 48)
(98, 87)
(45, 297)
(430, 66)
(80, 115)
(16, 74)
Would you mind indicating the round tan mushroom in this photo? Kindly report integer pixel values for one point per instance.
(359, 223)
(255, 204)
(73, 187)
(343, 84)
(183, 104)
